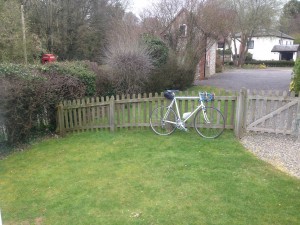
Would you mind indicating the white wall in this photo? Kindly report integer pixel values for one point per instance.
(211, 59)
(264, 45)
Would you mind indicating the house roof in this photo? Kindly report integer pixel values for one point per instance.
(269, 33)
(182, 11)
(285, 48)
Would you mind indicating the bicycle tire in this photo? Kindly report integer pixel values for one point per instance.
(209, 130)
(158, 125)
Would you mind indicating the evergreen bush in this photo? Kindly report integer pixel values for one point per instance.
(158, 50)
(78, 69)
(28, 99)
(170, 76)
(295, 82)
(271, 63)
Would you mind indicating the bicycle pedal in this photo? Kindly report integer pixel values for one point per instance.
(183, 128)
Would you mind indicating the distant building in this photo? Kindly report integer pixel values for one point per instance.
(270, 45)
(179, 25)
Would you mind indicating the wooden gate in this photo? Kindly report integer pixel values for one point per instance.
(272, 112)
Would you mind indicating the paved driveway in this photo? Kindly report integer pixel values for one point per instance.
(258, 79)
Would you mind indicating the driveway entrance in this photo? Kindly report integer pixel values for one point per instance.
(253, 79)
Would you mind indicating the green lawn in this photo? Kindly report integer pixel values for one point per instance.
(137, 177)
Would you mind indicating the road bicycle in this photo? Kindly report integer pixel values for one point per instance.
(208, 121)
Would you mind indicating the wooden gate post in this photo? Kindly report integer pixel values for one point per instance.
(60, 127)
(240, 122)
(112, 113)
(298, 121)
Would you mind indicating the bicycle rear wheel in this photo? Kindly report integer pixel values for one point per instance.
(161, 122)
(209, 122)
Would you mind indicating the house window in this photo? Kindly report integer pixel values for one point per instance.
(183, 30)
(250, 44)
(280, 42)
(221, 44)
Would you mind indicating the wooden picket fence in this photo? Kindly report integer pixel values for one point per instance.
(245, 111)
(268, 112)
(129, 111)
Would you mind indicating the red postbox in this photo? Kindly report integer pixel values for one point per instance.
(47, 58)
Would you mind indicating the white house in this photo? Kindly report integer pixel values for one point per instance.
(270, 45)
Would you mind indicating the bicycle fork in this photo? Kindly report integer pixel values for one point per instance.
(205, 116)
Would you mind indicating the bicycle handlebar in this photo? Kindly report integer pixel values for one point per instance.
(207, 97)
(203, 96)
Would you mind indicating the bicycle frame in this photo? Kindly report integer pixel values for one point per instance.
(174, 102)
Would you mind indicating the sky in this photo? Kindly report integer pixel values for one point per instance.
(138, 5)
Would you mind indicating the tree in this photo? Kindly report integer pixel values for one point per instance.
(251, 17)
(290, 19)
(203, 22)
(11, 46)
(74, 29)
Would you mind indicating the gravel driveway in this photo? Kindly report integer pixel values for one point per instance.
(258, 79)
(283, 152)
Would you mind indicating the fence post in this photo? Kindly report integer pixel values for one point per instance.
(298, 121)
(60, 119)
(240, 113)
(112, 113)
(0, 218)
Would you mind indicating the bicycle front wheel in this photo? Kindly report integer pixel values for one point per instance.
(209, 122)
(163, 120)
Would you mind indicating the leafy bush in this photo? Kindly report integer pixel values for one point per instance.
(271, 63)
(226, 51)
(219, 65)
(78, 69)
(159, 51)
(28, 99)
(249, 57)
(295, 83)
(170, 76)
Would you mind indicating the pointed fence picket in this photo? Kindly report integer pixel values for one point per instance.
(128, 111)
(265, 112)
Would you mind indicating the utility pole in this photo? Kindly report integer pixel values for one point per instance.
(24, 34)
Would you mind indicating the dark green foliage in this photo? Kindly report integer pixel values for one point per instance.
(77, 69)
(73, 30)
(295, 83)
(271, 63)
(289, 19)
(170, 76)
(28, 99)
(226, 51)
(219, 65)
(291, 9)
(159, 51)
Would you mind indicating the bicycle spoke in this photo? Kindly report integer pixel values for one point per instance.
(162, 121)
(209, 122)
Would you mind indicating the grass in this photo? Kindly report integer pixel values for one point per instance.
(137, 177)
(210, 89)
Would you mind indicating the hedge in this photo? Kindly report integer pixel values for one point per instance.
(271, 63)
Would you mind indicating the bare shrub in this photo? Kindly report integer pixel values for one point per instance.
(104, 85)
(129, 61)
